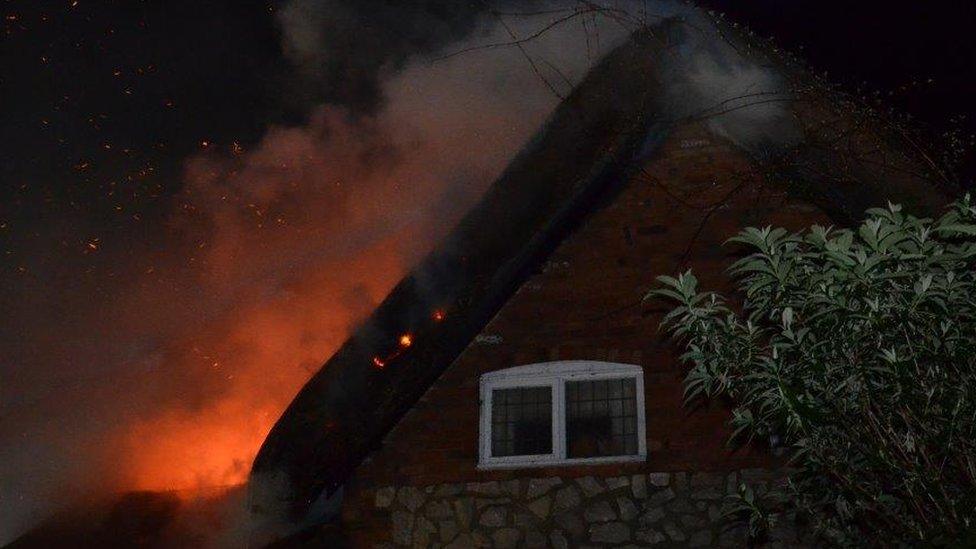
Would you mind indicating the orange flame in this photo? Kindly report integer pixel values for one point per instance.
(269, 343)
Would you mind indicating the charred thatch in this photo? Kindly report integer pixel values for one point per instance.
(343, 412)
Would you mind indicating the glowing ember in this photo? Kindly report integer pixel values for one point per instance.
(378, 362)
(406, 340)
(438, 315)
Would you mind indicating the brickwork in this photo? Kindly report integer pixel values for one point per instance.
(584, 303)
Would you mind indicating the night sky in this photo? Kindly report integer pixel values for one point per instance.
(107, 106)
(919, 58)
(103, 101)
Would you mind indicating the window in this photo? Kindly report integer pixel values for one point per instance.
(521, 421)
(562, 413)
(601, 418)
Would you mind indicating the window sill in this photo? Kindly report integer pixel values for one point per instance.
(550, 462)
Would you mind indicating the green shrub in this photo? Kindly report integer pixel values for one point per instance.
(856, 350)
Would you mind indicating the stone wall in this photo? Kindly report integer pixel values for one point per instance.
(656, 509)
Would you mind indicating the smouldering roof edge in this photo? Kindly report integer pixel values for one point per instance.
(344, 410)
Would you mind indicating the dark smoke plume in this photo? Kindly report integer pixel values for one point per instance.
(343, 49)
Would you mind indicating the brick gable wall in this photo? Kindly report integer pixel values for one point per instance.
(584, 303)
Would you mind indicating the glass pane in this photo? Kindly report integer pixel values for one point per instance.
(601, 418)
(521, 421)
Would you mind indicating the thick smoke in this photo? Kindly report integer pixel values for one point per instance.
(270, 256)
(346, 49)
(170, 378)
(713, 76)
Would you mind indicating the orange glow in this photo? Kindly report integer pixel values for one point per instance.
(269, 307)
(264, 352)
(438, 315)
(194, 360)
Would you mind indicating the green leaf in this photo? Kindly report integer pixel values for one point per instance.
(858, 349)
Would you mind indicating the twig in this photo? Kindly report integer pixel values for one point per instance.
(518, 42)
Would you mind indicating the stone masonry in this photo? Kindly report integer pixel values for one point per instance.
(643, 510)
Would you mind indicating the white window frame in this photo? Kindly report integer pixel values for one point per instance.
(555, 375)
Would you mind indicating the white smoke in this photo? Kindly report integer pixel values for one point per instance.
(736, 91)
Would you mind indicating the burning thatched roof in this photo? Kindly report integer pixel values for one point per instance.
(619, 112)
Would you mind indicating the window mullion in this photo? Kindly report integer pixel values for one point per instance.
(486, 404)
(559, 419)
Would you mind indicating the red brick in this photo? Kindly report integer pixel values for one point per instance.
(587, 305)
